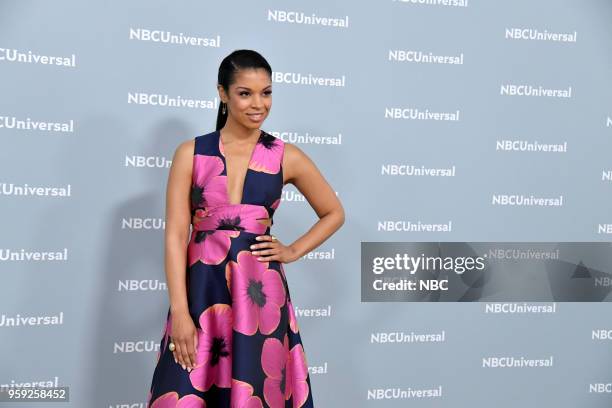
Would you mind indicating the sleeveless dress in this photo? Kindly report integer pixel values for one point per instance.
(249, 352)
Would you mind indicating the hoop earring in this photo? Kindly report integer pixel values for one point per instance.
(223, 109)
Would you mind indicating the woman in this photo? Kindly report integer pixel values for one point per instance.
(231, 337)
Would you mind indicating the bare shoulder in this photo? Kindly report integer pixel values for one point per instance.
(178, 187)
(186, 146)
(293, 154)
(295, 163)
(308, 179)
(183, 154)
(181, 167)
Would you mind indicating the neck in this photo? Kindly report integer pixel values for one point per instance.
(236, 131)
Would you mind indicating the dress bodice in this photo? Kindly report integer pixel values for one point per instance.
(263, 182)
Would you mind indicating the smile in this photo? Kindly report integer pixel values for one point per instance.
(255, 116)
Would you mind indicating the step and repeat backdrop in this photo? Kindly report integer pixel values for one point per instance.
(433, 120)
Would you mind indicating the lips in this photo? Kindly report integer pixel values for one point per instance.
(255, 116)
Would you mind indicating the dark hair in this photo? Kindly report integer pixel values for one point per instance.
(237, 60)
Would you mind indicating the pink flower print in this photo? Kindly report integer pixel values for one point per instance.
(210, 247)
(274, 358)
(258, 294)
(242, 395)
(267, 156)
(297, 373)
(235, 217)
(292, 320)
(171, 400)
(276, 203)
(201, 212)
(286, 373)
(214, 349)
(205, 170)
(231, 218)
(215, 192)
(228, 276)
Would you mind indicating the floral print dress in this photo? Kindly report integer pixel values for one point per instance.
(249, 352)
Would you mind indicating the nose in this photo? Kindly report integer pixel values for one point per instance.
(257, 101)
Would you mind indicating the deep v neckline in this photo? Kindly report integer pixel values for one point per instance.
(223, 152)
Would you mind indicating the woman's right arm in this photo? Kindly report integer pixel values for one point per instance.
(176, 238)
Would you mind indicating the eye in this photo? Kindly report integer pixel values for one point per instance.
(244, 93)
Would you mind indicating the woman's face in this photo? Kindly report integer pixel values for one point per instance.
(250, 97)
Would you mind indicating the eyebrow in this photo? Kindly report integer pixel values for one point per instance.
(248, 89)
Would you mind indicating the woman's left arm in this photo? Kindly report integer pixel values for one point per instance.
(300, 170)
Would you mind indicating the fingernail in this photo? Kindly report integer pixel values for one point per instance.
(252, 246)
(188, 369)
(176, 361)
(184, 368)
(257, 238)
